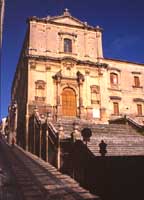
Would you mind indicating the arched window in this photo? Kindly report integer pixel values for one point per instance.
(67, 45)
(113, 78)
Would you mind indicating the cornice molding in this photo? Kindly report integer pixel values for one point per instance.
(114, 69)
(138, 100)
(58, 59)
(115, 98)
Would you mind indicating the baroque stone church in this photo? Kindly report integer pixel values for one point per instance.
(62, 71)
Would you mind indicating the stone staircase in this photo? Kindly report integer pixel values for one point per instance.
(35, 179)
(121, 139)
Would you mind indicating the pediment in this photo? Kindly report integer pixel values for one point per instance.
(69, 20)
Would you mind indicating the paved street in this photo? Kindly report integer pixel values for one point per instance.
(8, 189)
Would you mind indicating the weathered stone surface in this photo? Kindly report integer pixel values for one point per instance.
(43, 183)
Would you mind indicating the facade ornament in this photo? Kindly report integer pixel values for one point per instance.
(66, 12)
(80, 77)
(61, 131)
(68, 65)
(75, 135)
(58, 76)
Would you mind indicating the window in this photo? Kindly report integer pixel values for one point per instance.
(115, 108)
(95, 96)
(139, 109)
(113, 78)
(67, 45)
(40, 90)
(136, 81)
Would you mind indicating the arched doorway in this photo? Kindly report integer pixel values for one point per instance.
(68, 102)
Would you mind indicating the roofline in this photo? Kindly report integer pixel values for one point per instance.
(49, 20)
(123, 61)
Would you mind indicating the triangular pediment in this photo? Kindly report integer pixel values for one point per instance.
(67, 19)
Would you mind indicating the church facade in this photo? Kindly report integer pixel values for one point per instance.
(62, 71)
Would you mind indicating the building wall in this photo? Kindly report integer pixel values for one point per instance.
(44, 71)
(130, 94)
(124, 93)
(47, 40)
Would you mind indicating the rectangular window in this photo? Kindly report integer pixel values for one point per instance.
(115, 108)
(40, 90)
(139, 109)
(136, 81)
(67, 45)
(113, 78)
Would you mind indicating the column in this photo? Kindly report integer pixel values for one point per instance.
(26, 134)
(86, 44)
(47, 135)
(34, 136)
(40, 135)
(80, 79)
(32, 40)
(99, 43)
(80, 99)
(58, 98)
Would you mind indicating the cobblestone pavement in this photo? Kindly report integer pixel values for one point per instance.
(8, 187)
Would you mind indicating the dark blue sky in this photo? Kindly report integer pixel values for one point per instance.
(122, 21)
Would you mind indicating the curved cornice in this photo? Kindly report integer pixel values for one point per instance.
(70, 58)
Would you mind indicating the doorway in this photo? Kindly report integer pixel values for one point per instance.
(69, 102)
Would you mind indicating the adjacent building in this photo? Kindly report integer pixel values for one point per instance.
(62, 71)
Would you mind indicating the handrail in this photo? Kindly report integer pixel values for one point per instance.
(128, 119)
(51, 140)
(53, 129)
(134, 122)
(53, 134)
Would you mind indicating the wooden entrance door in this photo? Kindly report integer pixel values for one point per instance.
(68, 102)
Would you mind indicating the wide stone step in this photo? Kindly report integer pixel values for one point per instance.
(96, 129)
(120, 139)
(118, 148)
